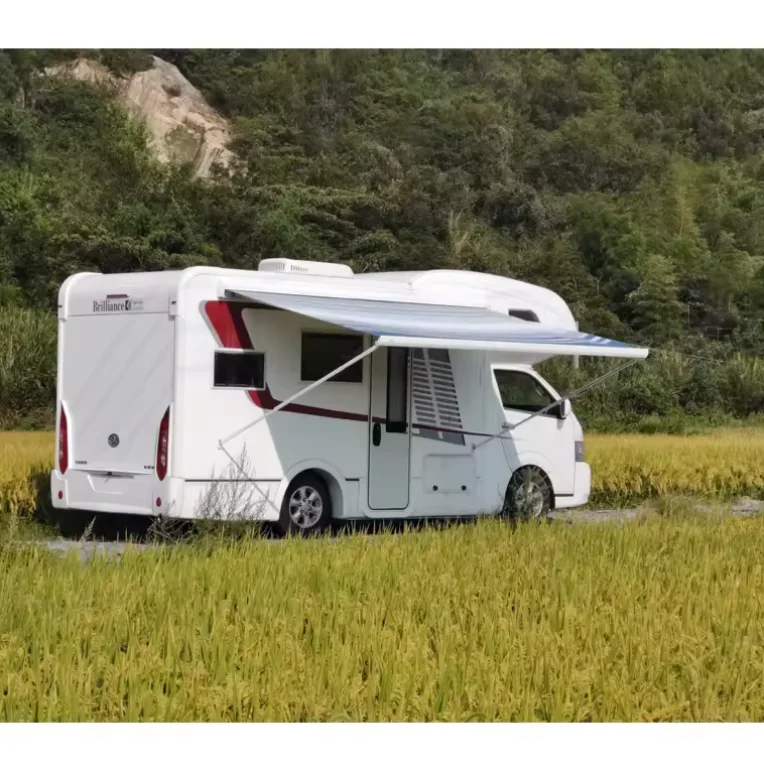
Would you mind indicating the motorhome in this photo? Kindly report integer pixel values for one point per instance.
(302, 394)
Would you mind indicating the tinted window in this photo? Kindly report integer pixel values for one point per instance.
(521, 391)
(323, 353)
(240, 370)
(524, 315)
(397, 389)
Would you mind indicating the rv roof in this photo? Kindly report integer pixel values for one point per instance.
(438, 287)
(499, 292)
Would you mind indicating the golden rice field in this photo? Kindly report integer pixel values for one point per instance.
(657, 621)
(626, 468)
(23, 455)
(721, 465)
(661, 619)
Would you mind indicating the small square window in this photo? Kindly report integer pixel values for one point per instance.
(240, 370)
(323, 353)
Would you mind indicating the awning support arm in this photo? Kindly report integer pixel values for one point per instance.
(312, 386)
(569, 396)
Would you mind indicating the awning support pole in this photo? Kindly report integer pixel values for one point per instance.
(569, 396)
(302, 392)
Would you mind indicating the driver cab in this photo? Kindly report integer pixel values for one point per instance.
(552, 440)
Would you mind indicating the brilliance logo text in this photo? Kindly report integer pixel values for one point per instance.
(117, 305)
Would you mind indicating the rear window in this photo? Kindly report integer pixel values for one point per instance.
(240, 370)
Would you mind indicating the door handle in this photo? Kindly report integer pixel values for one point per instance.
(505, 425)
(376, 433)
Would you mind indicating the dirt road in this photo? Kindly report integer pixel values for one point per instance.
(115, 549)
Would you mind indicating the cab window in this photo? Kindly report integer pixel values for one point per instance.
(521, 391)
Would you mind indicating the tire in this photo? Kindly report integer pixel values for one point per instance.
(529, 495)
(306, 509)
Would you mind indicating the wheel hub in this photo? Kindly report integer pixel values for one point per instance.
(529, 500)
(306, 507)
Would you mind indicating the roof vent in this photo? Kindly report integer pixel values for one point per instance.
(284, 265)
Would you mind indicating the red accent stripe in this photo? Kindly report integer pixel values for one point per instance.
(228, 323)
(264, 399)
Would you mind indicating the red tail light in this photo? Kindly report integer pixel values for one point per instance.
(163, 446)
(63, 443)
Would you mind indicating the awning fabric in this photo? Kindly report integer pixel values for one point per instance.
(423, 325)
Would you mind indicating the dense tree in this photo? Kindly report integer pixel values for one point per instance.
(631, 182)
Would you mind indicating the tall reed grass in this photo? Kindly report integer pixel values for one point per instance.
(25, 458)
(27, 366)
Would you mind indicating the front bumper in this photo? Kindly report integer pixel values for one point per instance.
(582, 491)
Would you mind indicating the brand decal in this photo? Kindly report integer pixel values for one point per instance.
(114, 440)
(117, 303)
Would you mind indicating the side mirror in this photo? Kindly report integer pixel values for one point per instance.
(563, 409)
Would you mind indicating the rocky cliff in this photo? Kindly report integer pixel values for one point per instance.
(182, 126)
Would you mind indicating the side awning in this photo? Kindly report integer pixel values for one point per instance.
(408, 324)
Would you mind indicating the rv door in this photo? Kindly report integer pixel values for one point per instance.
(389, 429)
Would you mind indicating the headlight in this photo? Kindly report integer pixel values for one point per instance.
(579, 450)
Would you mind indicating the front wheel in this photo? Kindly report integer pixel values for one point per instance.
(529, 495)
(306, 508)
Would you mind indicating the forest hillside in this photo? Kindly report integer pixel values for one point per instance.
(630, 182)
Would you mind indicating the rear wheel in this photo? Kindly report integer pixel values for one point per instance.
(529, 495)
(306, 508)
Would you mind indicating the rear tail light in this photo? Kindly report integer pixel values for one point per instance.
(63, 443)
(163, 445)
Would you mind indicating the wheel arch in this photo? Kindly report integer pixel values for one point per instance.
(538, 461)
(326, 472)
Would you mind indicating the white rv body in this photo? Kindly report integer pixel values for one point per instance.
(139, 356)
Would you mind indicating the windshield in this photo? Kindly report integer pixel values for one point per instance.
(521, 391)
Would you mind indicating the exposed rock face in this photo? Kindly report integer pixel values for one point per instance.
(182, 125)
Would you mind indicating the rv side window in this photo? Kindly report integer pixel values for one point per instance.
(521, 392)
(397, 389)
(524, 315)
(323, 353)
(240, 370)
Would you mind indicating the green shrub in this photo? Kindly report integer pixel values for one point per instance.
(27, 366)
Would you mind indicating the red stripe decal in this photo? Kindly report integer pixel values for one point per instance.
(264, 399)
(228, 323)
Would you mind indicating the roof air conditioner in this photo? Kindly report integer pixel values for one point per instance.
(284, 265)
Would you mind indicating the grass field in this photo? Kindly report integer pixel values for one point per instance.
(722, 465)
(626, 469)
(656, 621)
(660, 619)
(22, 456)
